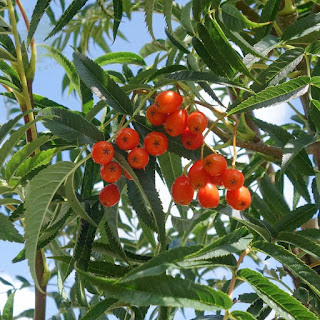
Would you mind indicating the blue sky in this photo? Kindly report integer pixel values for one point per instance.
(48, 83)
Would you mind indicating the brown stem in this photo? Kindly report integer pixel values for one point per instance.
(40, 298)
(246, 10)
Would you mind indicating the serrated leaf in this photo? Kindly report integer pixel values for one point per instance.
(296, 218)
(8, 70)
(22, 154)
(37, 14)
(268, 13)
(8, 146)
(7, 313)
(290, 261)
(121, 58)
(205, 76)
(279, 69)
(176, 42)
(163, 291)
(272, 96)
(150, 48)
(302, 27)
(285, 305)
(148, 14)
(186, 18)
(313, 48)
(242, 315)
(117, 12)
(71, 126)
(231, 243)
(305, 243)
(167, 12)
(235, 20)
(99, 309)
(39, 193)
(8, 232)
(171, 167)
(66, 17)
(293, 148)
(101, 84)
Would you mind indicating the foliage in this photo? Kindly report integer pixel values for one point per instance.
(143, 258)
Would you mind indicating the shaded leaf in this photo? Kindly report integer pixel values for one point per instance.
(121, 58)
(99, 309)
(117, 11)
(8, 232)
(7, 313)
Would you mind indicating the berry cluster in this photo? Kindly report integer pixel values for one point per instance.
(155, 143)
(204, 175)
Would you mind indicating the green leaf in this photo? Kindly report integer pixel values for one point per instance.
(117, 12)
(39, 193)
(186, 18)
(148, 13)
(71, 126)
(235, 20)
(283, 304)
(289, 260)
(280, 68)
(171, 167)
(99, 309)
(242, 315)
(37, 14)
(8, 232)
(22, 154)
(163, 291)
(294, 148)
(101, 84)
(167, 12)
(296, 218)
(302, 27)
(274, 95)
(9, 84)
(176, 42)
(7, 313)
(7, 69)
(268, 13)
(68, 14)
(9, 46)
(233, 242)
(86, 98)
(205, 76)
(8, 146)
(121, 58)
(305, 243)
(313, 48)
(263, 47)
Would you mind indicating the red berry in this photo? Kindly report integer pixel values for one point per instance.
(191, 141)
(168, 101)
(232, 179)
(127, 175)
(111, 172)
(209, 196)
(138, 158)
(156, 143)
(216, 180)
(197, 122)
(102, 152)
(214, 164)
(198, 177)
(239, 199)
(109, 195)
(155, 117)
(182, 191)
(127, 139)
(176, 123)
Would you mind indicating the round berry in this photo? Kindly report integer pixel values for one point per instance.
(111, 172)
(216, 180)
(168, 101)
(127, 139)
(138, 158)
(197, 122)
(127, 175)
(214, 164)
(198, 177)
(232, 179)
(176, 123)
(155, 117)
(182, 191)
(156, 143)
(102, 152)
(209, 196)
(191, 141)
(109, 195)
(239, 199)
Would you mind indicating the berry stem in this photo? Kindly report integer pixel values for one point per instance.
(234, 144)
